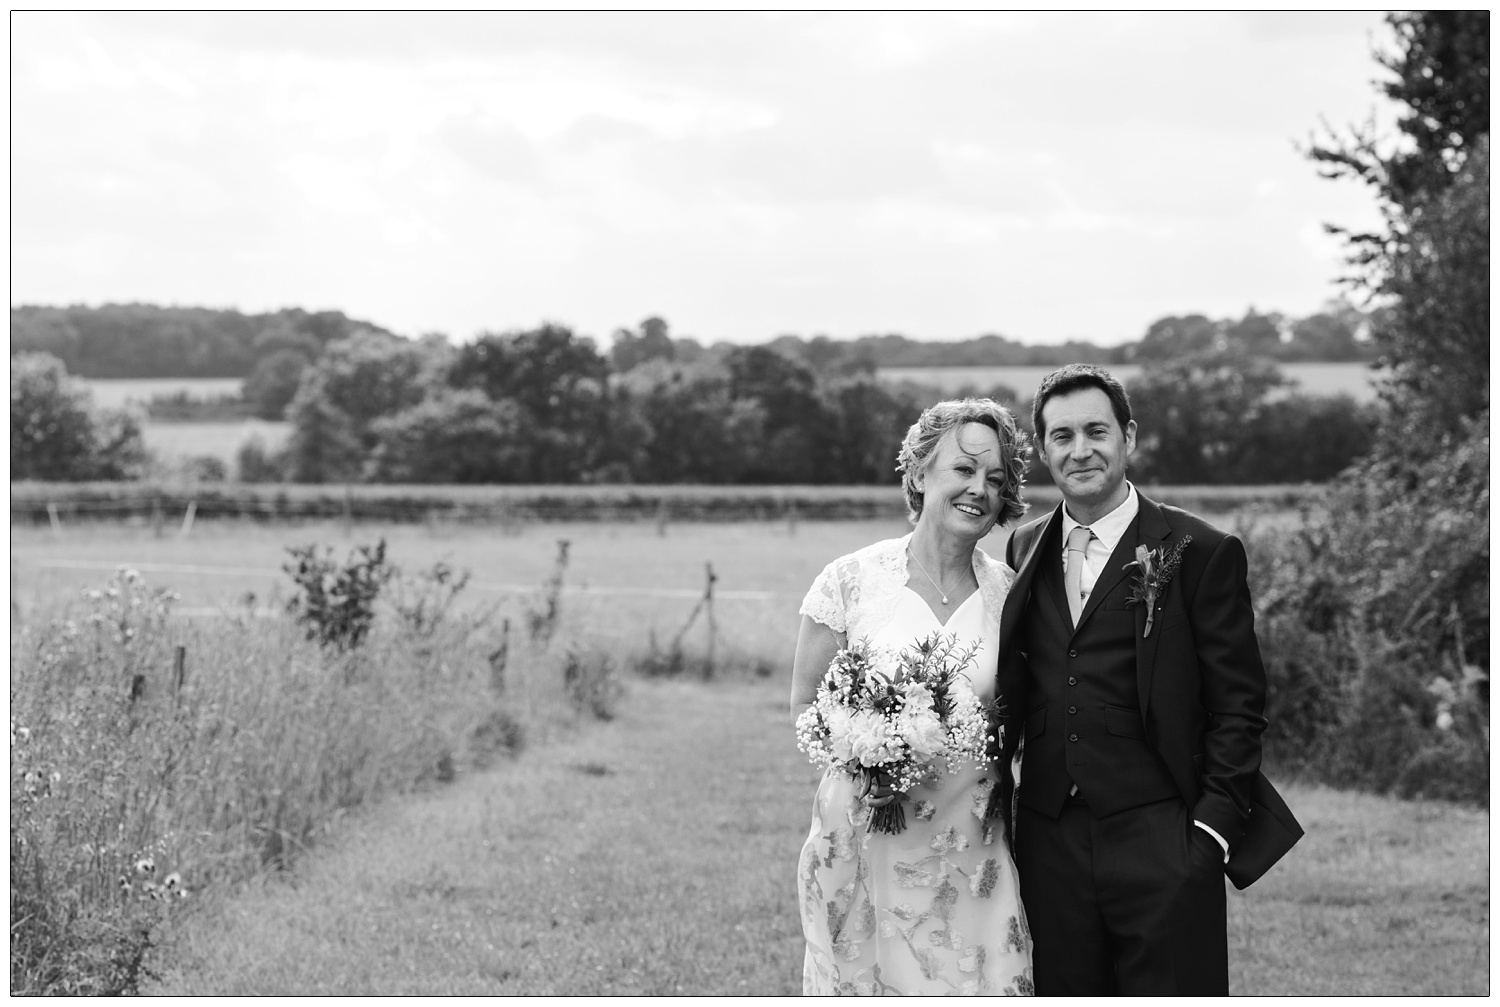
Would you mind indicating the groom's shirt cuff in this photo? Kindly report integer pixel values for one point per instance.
(1217, 838)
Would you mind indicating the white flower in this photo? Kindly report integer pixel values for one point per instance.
(870, 738)
(840, 726)
(923, 731)
(918, 695)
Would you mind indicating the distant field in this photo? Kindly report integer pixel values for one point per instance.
(219, 440)
(1355, 379)
(626, 580)
(113, 392)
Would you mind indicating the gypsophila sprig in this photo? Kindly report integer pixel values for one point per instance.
(886, 717)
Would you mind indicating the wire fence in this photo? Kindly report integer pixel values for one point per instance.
(180, 506)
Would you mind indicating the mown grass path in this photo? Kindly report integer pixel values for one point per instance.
(655, 854)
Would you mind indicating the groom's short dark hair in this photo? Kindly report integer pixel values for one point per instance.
(1075, 377)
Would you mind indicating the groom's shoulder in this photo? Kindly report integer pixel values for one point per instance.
(1185, 522)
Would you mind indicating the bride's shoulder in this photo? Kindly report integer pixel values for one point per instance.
(883, 555)
(875, 552)
(995, 572)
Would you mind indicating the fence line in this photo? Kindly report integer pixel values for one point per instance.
(492, 586)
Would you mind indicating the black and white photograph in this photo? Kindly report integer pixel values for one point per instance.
(749, 503)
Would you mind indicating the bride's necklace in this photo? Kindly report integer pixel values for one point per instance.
(941, 590)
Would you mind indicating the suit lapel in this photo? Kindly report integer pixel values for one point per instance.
(1020, 590)
(1151, 531)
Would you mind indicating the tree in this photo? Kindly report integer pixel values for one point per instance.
(324, 445)
(453, 436)
(632, 349)
(1192, 415)
(697, 432)
(795, 449)
(1256, 334)
(56, 434)
(1431, 260)
(51, 421)
(1172, 337)
(270, 387)
(558, 380)
(869, 424)
(1437, 335)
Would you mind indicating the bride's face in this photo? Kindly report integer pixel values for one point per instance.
(962, 483)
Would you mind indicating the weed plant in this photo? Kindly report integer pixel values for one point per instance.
(154, 757)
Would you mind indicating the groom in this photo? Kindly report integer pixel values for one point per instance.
(1139, 785)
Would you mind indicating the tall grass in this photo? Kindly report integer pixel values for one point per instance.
(155, 756)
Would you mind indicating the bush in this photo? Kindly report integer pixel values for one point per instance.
(336, 604)
(1374, 623)
(254, 463)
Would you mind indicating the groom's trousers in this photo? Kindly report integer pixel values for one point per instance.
(1131, 903)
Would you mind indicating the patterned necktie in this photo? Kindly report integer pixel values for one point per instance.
(1078, 541)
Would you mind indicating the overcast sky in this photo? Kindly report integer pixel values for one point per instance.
(1039, 176)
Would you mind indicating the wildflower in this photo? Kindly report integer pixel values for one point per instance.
(145, 865)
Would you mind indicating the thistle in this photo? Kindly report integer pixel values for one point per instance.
(1156, 570)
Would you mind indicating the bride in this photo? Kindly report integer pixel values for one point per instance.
(933, 909)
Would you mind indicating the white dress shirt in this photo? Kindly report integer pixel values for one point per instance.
(1108, 531)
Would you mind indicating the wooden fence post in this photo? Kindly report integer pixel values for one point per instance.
(187, 519)
(713, 627)
(52, 517)
(179, 672)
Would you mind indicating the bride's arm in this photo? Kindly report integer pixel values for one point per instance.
(816, 647)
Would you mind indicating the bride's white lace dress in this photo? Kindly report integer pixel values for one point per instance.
(934, 909)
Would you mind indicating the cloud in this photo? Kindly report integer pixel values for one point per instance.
(1048, 175)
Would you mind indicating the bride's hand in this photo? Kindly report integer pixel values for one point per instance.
(876, 794)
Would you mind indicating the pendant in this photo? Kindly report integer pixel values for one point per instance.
(945, 600)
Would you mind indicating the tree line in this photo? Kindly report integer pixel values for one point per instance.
(270, 349)
(546, 405)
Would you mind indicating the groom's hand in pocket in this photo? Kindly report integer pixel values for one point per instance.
(1204, 852)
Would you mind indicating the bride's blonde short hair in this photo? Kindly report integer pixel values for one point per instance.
(923, 436)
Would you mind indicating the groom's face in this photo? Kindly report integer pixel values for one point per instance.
(1085, 449)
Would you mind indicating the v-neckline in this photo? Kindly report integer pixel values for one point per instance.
(942, 623)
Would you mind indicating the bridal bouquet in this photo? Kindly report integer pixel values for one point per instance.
(883, 716)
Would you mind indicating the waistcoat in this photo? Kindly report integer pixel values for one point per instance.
(1083, 719)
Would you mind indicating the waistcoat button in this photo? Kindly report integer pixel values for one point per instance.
(1072, 680)
(1072, 737)
(1072, 653)
(1072, 709)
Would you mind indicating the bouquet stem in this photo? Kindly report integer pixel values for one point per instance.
(889, 819)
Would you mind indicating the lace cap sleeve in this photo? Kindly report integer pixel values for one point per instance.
(995, 578)
(826, 600)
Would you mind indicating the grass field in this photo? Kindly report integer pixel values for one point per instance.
(582, 868)
(175, 441)
(655, 855)
(625, 581)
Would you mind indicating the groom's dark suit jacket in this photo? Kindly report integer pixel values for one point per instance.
(1193, 696)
